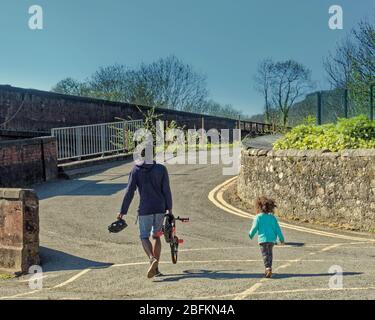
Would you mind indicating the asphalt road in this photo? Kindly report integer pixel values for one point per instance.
(81, 260)
(261, 142)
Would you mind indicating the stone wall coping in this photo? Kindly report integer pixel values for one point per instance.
(309, 153)
(24, 142)
(16, 193)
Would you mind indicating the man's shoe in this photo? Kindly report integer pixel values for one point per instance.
(268, 273)
(153, 267)
(158, 274)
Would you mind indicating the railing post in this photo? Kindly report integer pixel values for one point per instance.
(346, 103)
(126, 137)
(202, 133)
(102, 139)
(372, 102)
(53, 134)
(319, 109)
(79, 142)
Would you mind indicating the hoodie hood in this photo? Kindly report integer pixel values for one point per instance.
(145, 166)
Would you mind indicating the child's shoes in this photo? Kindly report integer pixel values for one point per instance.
(268, 272)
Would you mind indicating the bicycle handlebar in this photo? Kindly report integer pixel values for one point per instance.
(182, 219)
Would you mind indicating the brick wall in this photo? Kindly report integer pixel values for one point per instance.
(19, 230)
(35, 110)
(28, 161)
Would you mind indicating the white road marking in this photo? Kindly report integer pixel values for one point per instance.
(19, 295)
(28, 280)
(74, 278)
(244, 294)
(70, 280)
(249, 291)
(348, 245)
(286, 291)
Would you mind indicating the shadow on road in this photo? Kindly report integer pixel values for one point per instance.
(80, 188)
(227, 275)
(209, 274)
(294, 244)
(54, 260)
(310, 275)
(96, 188)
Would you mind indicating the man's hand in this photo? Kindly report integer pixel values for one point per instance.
(282, 242)
(120, 216)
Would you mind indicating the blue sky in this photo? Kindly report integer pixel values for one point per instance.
(224, 39)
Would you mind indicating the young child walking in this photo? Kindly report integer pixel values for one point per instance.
(268, 229)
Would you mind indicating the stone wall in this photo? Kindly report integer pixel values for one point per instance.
(35, 110)
(19, 230)
(28, 161)
(337, 189)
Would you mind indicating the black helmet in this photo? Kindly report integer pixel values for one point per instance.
(117, 226)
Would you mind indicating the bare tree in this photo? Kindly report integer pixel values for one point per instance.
(339, 65)
(352, 65)
(290, 81)
(364, 59)
(214, 108)
(169, 83)
(263, 80)
(110, 83)
(72, 87)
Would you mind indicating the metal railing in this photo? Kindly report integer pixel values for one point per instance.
(97, 139)
(260, 128)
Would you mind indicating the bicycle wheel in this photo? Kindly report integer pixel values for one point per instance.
(174, 250)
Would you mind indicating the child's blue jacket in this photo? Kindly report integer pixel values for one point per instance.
(267, 227)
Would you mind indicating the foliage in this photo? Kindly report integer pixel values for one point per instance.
(5, 276)
(309, 120)
(353, 133)
(150, 118)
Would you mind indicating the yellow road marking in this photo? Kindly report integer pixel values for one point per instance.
(216, 197)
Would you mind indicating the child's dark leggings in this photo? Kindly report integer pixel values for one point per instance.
(266, 249)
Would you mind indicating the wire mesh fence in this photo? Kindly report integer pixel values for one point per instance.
(328, 106)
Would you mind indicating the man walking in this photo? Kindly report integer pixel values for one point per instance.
(152, 181)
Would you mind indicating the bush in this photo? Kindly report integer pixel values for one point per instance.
(353, 133)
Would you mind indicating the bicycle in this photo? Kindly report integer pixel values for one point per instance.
(169, 231)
